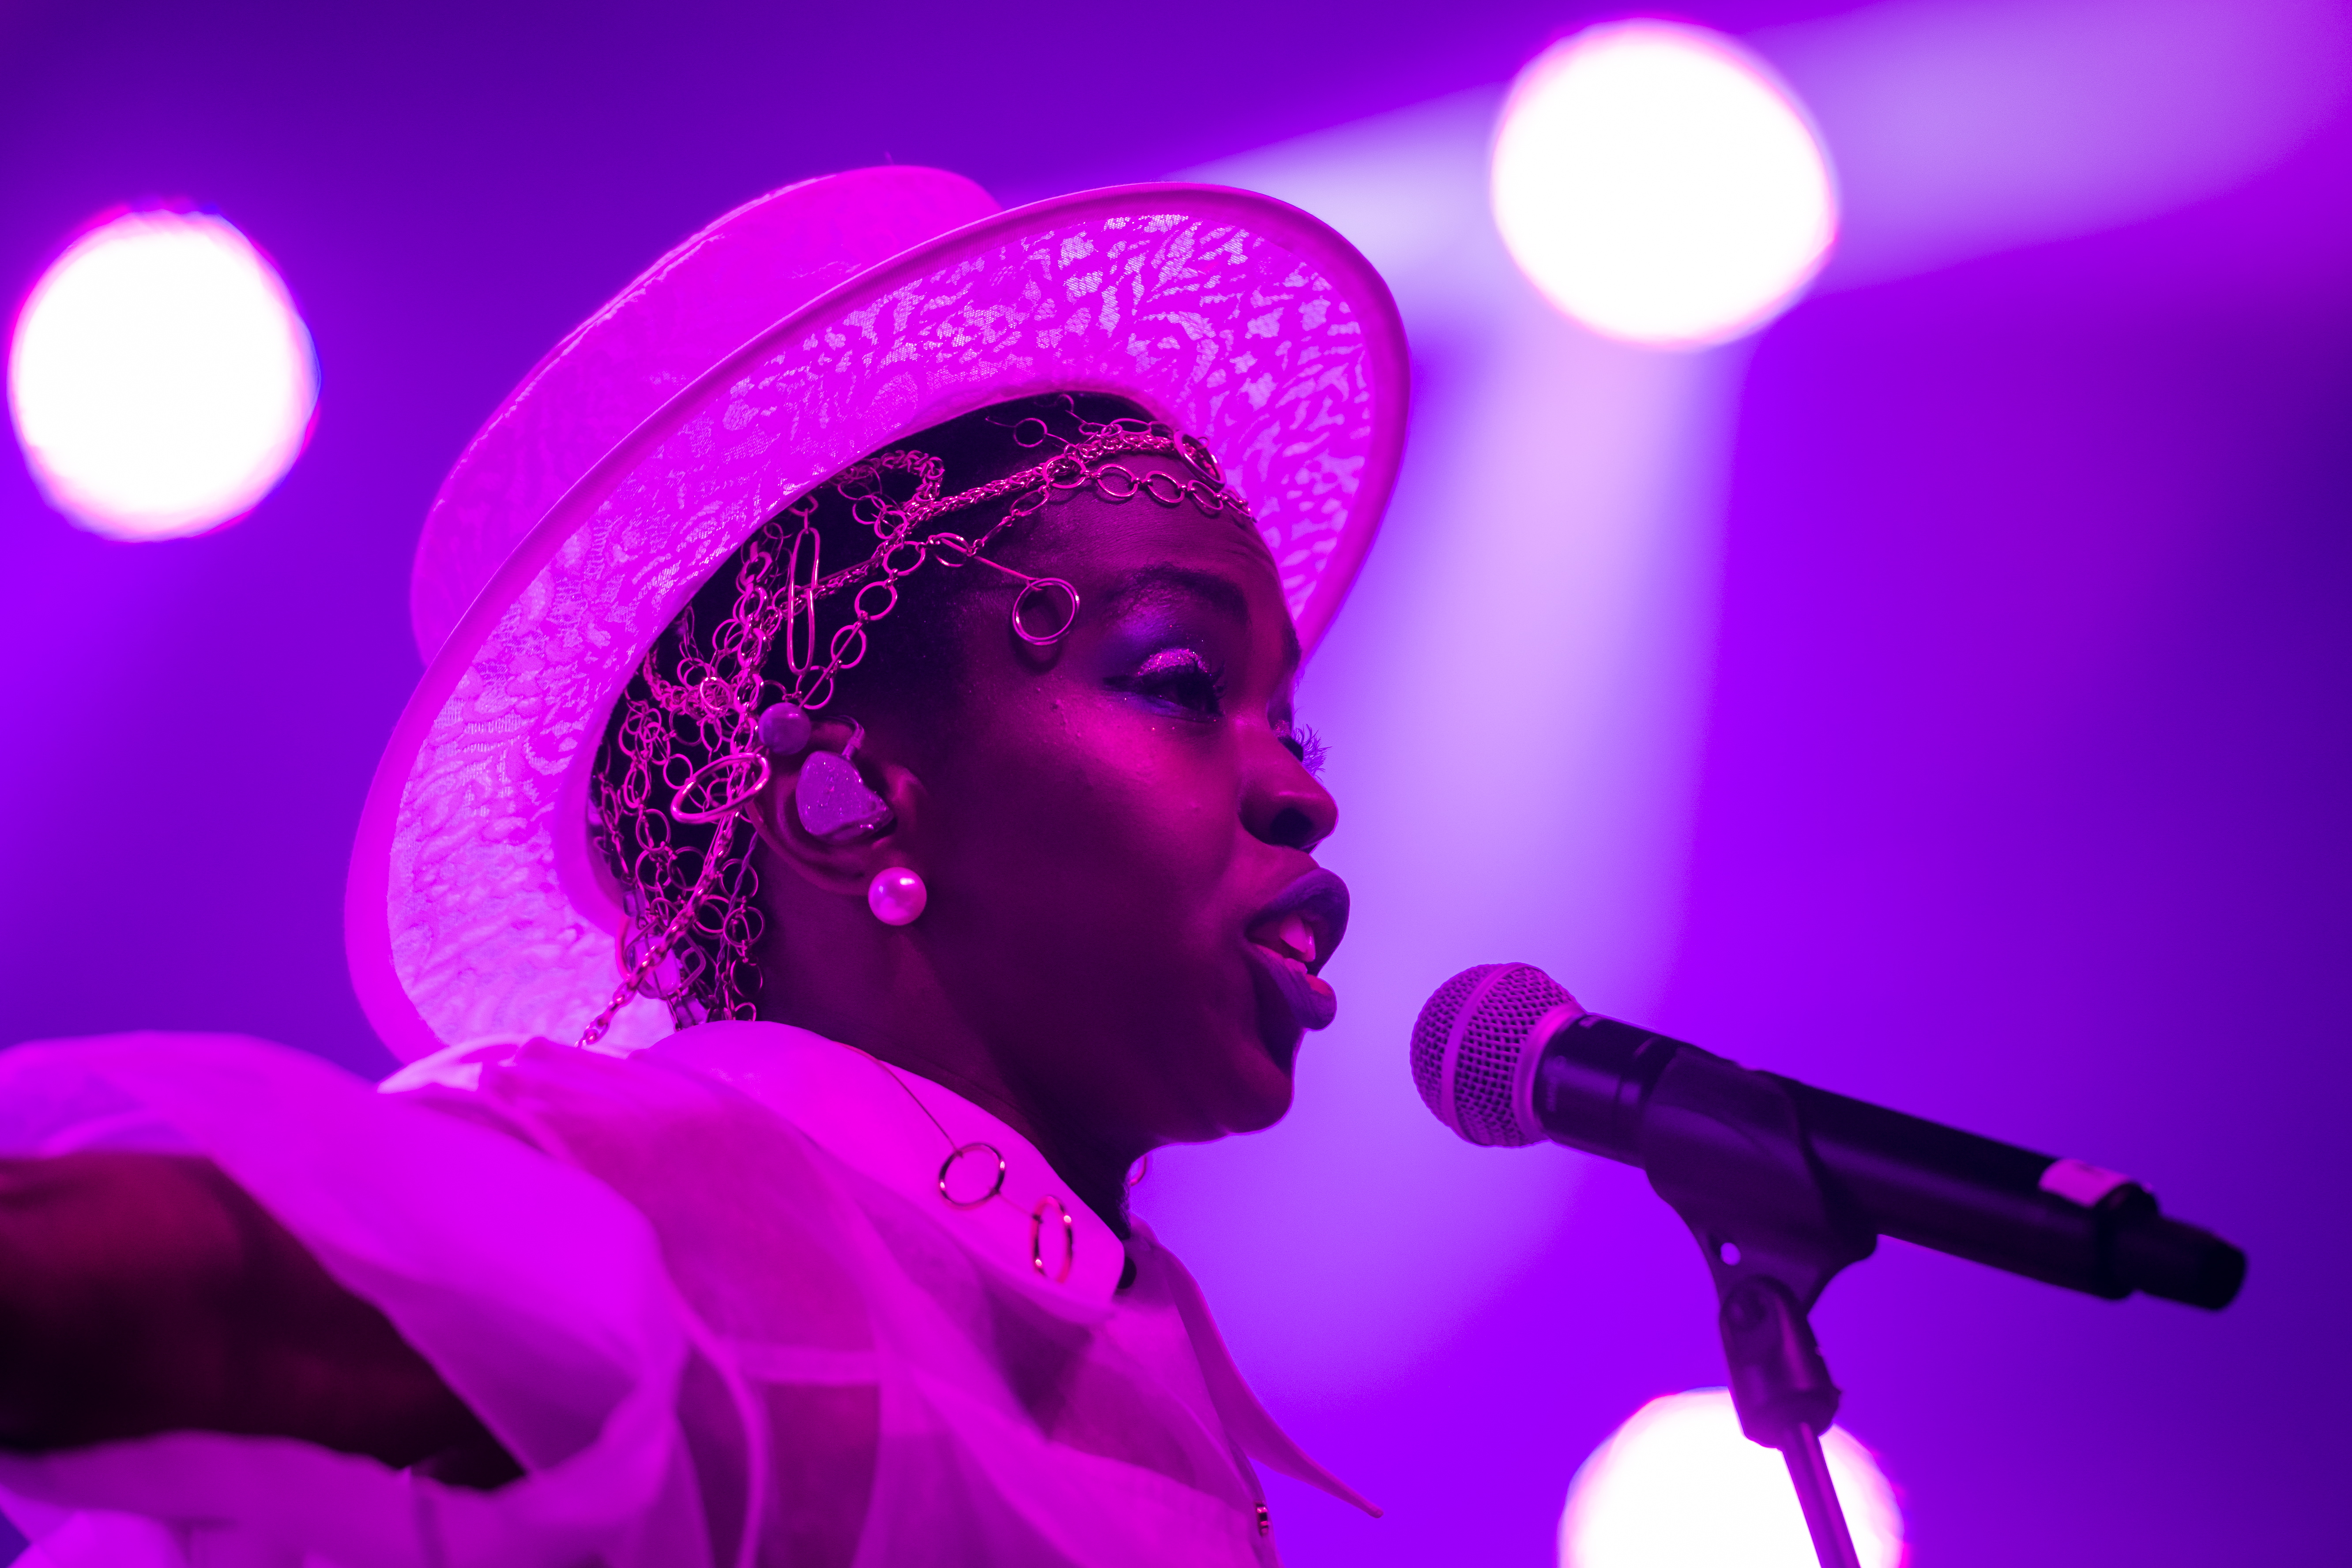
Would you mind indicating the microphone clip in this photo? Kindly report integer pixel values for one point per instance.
(1726, 1149)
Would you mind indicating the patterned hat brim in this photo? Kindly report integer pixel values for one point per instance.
(477, 905)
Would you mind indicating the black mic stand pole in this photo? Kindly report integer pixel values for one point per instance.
(1725, 1147)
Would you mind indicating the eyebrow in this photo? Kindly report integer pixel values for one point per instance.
(1219, 593)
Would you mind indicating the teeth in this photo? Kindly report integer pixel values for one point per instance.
(1292, 935)
(1298, 936)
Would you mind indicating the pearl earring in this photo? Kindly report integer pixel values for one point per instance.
(895, 895)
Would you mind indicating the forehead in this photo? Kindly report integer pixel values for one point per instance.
(1139, 549)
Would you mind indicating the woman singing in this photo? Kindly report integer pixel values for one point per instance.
(854, 812)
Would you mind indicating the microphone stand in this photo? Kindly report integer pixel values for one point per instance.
(1726, 1148)
(1771, 1175)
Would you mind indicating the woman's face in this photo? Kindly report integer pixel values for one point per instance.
(1118, 832)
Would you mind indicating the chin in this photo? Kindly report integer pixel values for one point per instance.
(1240, 1049)
(1261, 1101)
(1278, 1040)
(1267, 1061)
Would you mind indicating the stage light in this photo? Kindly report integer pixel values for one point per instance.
(1678, 1487)
(160, 378)
(1657, 183)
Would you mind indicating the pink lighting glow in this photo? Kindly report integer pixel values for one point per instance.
(1657, 184)
(160, 378)
(1678, 1487)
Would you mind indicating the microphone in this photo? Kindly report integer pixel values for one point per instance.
(1503, 1055)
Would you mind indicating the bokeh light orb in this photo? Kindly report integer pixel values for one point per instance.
(159, 376)
(1678, 1487)
(1658, 183)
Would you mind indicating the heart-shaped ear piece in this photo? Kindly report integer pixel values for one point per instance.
(832, 800)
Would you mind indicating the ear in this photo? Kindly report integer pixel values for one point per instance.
(847, 864)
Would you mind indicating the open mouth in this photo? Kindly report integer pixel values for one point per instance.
(1293, 937)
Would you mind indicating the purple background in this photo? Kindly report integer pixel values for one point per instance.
(2023, 799)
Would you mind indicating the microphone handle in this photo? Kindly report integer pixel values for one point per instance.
(1973, 1197)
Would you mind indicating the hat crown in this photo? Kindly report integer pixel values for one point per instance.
(711, 294)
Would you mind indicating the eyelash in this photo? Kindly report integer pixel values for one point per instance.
(1306, 746)
(1181, 676)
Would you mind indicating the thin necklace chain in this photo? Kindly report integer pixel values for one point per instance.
(1036, 1217)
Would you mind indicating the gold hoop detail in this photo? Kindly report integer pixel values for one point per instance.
(1037, 1239)
(948, 1164)
(1044, 639)
(746, 774)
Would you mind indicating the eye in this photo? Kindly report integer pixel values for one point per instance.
(1304, 743)
(1181, 678)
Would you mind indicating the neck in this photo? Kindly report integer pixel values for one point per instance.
(1097, 1176)
(875, 997)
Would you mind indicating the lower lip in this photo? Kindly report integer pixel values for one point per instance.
(1313, 1004)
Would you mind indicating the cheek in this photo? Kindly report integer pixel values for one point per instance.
(1101, 824)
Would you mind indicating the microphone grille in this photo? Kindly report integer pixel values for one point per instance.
(1472, 1045)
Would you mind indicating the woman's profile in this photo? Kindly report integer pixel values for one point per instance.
(854, 810)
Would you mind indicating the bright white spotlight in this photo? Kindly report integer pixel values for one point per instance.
(1678, 1487)
(160, 378)
(1659, 185)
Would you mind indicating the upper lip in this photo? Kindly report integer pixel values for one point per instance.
(1318, 898)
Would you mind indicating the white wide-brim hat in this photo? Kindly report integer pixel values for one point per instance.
(791, 338)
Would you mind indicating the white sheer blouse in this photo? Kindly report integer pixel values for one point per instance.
(711, 1297)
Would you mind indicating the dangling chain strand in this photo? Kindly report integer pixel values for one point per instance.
(660, 950)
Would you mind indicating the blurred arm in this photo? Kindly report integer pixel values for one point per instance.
(146, 1294)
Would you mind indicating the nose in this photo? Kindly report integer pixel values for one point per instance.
(1282, 802)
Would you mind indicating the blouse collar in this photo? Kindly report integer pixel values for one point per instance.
(968, 1168)
(900, 1129)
